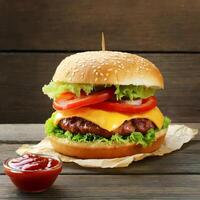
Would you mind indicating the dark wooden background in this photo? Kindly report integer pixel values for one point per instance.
(36, 35)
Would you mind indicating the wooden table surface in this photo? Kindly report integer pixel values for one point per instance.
(176, 175)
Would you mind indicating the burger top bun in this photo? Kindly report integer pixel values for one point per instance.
(108, 67)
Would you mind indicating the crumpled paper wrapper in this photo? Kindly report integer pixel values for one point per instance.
(176, 136)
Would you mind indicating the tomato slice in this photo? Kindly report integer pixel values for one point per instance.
(147, 104)
(67, 96)
(63, 98)
(83, 100)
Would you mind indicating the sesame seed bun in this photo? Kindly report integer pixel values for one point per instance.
(99, 150)
(108, 67)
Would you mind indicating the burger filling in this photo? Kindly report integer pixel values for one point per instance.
(76, 129)
(111, 114)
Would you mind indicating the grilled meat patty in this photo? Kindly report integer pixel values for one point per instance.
(79, 125)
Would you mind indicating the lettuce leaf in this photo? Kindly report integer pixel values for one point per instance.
(132, 92)
(54, 89)
(136, 137)
(51, 128)
(166, 122)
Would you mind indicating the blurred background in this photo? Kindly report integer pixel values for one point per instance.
(36, 35)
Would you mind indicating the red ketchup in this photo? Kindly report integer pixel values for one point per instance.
(33, 172)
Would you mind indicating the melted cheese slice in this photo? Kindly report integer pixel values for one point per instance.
(109, 120)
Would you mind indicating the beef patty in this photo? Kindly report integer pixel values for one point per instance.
(79, 125)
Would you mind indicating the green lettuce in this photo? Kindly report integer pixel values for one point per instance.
(54, 89)
(136, 137)
(132, 92)
(166, 122)
(50, 127)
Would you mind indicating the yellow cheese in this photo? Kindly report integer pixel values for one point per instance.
(110, 120)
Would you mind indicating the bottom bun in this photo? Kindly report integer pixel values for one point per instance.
(100, 150)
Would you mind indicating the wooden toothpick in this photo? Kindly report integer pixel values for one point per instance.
(103, 45)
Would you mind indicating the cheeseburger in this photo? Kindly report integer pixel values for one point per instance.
(105, 106)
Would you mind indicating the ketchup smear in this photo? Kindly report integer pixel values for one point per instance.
(32, 172)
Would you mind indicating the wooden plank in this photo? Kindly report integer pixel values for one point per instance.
(21, 133)
(112, 187)
(77, 25)
(23, 75)
(32, 133)
(184, 161)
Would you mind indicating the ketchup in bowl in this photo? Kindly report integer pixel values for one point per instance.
(33, 172)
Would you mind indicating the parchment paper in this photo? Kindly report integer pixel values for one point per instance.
(176, 136)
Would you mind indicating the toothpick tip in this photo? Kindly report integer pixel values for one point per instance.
(103, 48)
